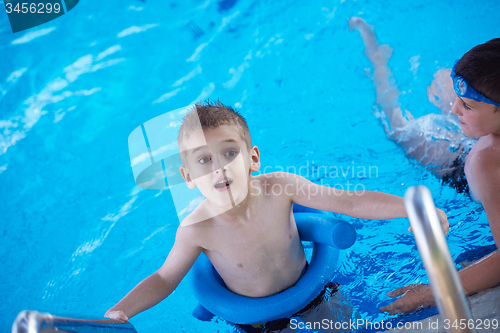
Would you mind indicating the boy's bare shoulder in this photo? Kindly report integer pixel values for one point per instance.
(486, 160)
(485, 171)
(198, 215)
(195, 228)
(277, 177)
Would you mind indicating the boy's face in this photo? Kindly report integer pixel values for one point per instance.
(219, 164)
(477, 118)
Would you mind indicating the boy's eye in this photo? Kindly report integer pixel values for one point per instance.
(466, 106)
(231, 153)
(204, 160)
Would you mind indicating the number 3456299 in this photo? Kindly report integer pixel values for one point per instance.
(33, 8)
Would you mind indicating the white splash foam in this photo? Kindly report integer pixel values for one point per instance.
(124, 210)
(154, 233)
(15, 75)
(16, 127)
(414, 63)
(137, 9)
(205, 93)
(225, 21)
(135, 29)
(238, 73)
(196, 55)
(145, 156)
(188, 77)
(108, 51)
(90, 246)
(29, 36)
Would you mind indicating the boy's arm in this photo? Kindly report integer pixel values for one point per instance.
(482, 274)
(160, 284)
(364, 205)
(360, 204)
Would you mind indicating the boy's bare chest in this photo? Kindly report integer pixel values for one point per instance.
(265, 237)
(260, 230)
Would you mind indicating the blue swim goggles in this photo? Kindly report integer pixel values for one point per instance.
(462, 89)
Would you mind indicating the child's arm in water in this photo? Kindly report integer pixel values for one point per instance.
(162, 283)
(366, 205)
(433, 140)
(481, 275)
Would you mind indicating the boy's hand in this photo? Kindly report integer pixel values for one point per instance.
(444, 221)
(119, 315)
(413, 297)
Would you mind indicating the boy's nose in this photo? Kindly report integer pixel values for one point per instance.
(455, 108)
(221, 168)
(217, 164)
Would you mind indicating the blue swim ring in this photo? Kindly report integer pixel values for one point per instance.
(328, 236)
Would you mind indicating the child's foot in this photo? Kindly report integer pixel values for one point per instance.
(366, 31)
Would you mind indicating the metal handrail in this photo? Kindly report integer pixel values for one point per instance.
(35, 322)
(431, 243)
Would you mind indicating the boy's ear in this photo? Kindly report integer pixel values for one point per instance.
(255, 156)
(187, 177)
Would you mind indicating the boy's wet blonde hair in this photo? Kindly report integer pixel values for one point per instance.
(212, 115)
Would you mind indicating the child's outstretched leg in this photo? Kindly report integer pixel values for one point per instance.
(440, 92)
(434, 140)
(387, 92)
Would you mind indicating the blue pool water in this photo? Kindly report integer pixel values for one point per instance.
(77, 234)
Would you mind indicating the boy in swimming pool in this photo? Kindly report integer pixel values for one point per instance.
(245, 226)
(475, 78)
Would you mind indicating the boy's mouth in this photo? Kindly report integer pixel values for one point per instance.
(223, 184)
